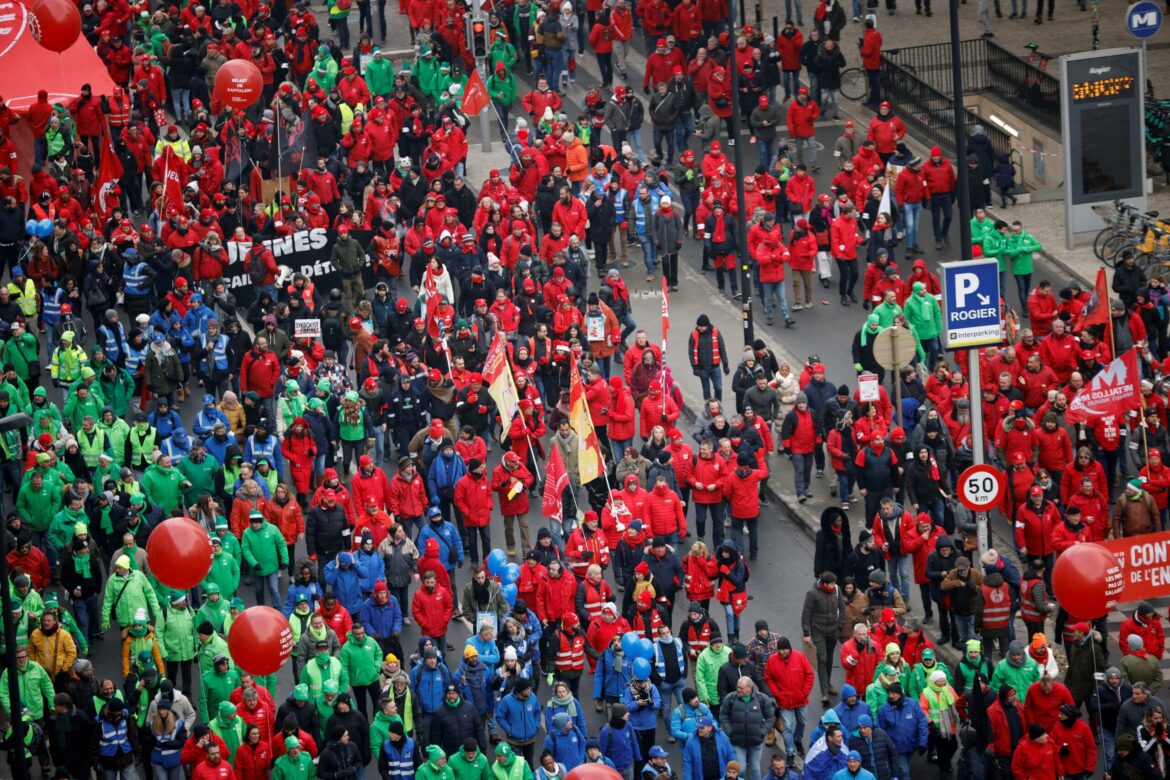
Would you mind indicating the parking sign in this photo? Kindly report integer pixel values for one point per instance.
(971, 305)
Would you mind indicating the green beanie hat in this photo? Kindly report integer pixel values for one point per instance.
(227, 710)
(301, 693)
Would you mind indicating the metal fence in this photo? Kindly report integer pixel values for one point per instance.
(929, 112)
(1022, 84)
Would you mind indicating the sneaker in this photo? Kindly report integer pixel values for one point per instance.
(802, 499)
(820, 473)
(845, 505)
(407, 621)
(788, 323)
(856, 19)
(764, 501)
(808, 494)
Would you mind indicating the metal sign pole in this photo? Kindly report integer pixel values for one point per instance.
(485, 122)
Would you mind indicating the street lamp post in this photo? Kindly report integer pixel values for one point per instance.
(745, 263)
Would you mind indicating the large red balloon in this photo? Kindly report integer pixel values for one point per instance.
(55, 24)
(1087, 580)
(260, 640)
(238, 83)
(593, 772)
(179, 553)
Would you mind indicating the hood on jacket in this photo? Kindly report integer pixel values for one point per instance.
(431, 549)
(827, 517)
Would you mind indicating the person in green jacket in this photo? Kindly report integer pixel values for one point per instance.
(228, 726)
(198, 469)
(127, 591)
(11, 381)
(981, 225)
(292, 402)
(80, 404)
(925, 316)
(218, 685)
(435, 767)
(323, 668)
(887, 309)
(40, 407)
(36, 689)
(36, 503)
(707, 671)
(224, 575)
(215, 607)
(117, 430)
(469, 763)
(1018, 670)
(117, 385)
(502, 52)
(877, 692)
(379, 75)
(22, 353)
(163, 485)
(995, 245)
(208, 646)
(326, 703)
(501, 87)
(339, 20)
(265, 555)
(231, 545)
(68, 360)
(1021, 246)
(426, 69)
(361, 657)
(505, 767)
(176, 632)
(295, 764)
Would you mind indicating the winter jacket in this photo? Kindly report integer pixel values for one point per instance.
(905, 723)
(746, 723)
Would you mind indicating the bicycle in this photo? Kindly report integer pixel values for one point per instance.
(854, 83)
(1124, 227)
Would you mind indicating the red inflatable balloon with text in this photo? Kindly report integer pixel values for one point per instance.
(260, 640)
(1087, 580)
(55, 24)
(593, 772)
(238, 83)
(179, 553)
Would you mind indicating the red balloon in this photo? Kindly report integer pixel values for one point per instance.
(1087, 580)
(55, 24)
(238, 83)
(179, 553)
(593, 772)
(260, 640)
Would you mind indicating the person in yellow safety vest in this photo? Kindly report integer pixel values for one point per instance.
(176, 142)
(25, 290)
(68, 360)
(323, 667)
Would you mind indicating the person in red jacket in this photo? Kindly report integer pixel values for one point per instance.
(432, 608)
(912, 190)
(844, 240)
(1075, 744)
(800, 435)
(1070, 531)
(741, 487)
(707, 491)
(941, 179)
(657, 410)
(511, 480)
(1044, 699)
(885, 130)
(789, 677)
(665, 513)
(871, 61)
(260, 373)
(407, 496)
(587, 545)
(621, 417)
(1146, 623)
(1035, 520)
(1008, 725)
(473, 499)
(1036, 757)
(859, 658)
(803, 113)
(370, 482)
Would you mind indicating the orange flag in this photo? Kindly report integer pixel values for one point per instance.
(475, 95)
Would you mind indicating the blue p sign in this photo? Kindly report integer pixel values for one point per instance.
(1143, 19)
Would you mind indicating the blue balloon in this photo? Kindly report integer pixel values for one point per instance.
(510, 591)
(30, 227)
(641, 668)
(497, 559)
(630, 644)
(645, 649)
(44, 228)
(510, 574)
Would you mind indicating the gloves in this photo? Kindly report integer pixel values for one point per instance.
(646, 89)
(313, 557)
(550, 678)
(865, 304)
(857, 367)
(587, 555)
(481, 409)
(256, 569)
(105, 626)
(1064, 751)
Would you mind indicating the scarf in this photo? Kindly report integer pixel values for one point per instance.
(568, 702)
(81, 565)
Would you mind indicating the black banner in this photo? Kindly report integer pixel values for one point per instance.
(307, 252)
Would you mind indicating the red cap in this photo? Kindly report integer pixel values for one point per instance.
(355, 323)
(661, 43)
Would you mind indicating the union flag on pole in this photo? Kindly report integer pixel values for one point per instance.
(172, 197)
(589, 462)
(110, 172)
(501, 385)
(556, 479)
(1115, 390)
(475, 95)
(665, 314)
(1096, 311)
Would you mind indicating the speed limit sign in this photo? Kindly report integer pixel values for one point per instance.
(981, 487)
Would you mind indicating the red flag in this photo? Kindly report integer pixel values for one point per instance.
(107, 197)
(1096, 311)
(475, 95)
(556, 479)
(665, 314)
(172, 186)
(432, 316)
(1115, 390)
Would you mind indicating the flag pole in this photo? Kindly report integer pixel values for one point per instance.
(162, 211)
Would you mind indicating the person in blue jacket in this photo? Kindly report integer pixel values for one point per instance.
(428, 685)
(827, 755)
(475, 680)
(684, 721)
(850, 708)
(396, 758)
(875, 747)
(344, 578)
(829, 716)
(643, 701)
(612, 675)
(164, 419)
(381, 614)
(445, 533)
(618, 741)
(177, 445)
(207, 417)
(854, 769)
(563, 700)
(444, 471)
(565, 741)
(305, 582)
(709, 744)
(518, 718)
(593, 754)
(369, 562)
(263, 444)
(907, 726)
